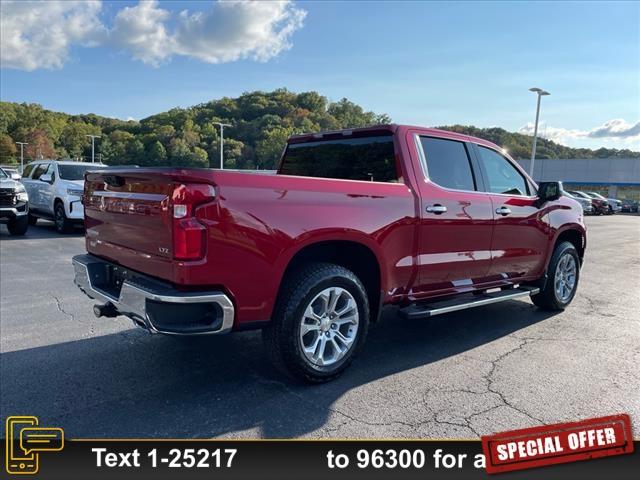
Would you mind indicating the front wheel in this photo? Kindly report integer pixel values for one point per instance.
(319, 323)
(63, 225)
(562, 281)
(18, 225)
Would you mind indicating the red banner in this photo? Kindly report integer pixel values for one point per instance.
(560, 443)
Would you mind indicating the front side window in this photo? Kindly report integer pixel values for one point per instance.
(448, 163)
(502, 176)
(40, 169)
(364, 158)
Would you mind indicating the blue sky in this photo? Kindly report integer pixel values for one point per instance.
(423, 63)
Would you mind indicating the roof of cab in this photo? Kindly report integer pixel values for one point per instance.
(393, 128)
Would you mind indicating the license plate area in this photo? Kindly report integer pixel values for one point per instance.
(108, 278)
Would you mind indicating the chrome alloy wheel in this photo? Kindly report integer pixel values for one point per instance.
(565, 278)
(329, 326)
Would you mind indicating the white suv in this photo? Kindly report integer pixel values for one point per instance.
(55, 191)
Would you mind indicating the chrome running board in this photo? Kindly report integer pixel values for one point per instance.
(430, 309)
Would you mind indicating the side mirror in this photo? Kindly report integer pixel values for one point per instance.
(548, 191)
(16, 176)
(46, 178)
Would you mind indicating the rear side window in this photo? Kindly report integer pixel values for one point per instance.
(501, 175)
(27, 171)
(366, 158)
(448, 163)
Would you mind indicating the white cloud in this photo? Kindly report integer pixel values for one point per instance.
(141, 29)
(39, 34)
(235, 30)
(227, 32)
(617, 129)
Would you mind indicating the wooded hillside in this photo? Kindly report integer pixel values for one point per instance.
(261, 123)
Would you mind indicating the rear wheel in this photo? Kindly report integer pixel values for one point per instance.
(63, 225)
(319, 323)
(18, 225)
(562, 281)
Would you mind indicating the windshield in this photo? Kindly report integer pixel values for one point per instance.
(76, 172)
(3, 174)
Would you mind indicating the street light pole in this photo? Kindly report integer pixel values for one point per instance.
(222, 125)
(540, 94)
(22, 144)
(93, 146)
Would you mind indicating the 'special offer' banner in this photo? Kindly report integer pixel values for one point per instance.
(44, 452)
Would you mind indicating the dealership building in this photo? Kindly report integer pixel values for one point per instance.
(611, 177)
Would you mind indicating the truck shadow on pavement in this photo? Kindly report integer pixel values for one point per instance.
(132, 384)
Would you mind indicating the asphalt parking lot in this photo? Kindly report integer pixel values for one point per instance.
(459, 375)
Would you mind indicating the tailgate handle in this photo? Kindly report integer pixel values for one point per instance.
(113, 180)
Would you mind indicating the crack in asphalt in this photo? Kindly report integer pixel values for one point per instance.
(434, 418)
(71, 315)
(62, 310)
(490, 382)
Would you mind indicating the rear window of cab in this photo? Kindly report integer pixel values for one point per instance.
(362, 158)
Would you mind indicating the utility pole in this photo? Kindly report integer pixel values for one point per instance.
(22, 144)
(93, 146)
(222, 125)
(541, 93)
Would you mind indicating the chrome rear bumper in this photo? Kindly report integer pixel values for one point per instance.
(139, 296)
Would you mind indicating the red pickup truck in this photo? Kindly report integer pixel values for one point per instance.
(354, 220)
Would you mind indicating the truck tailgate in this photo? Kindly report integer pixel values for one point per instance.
(128, 210)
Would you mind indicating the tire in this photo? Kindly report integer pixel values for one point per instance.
(549, 297)
(33, 220)
(62, 223)
(306, 289)
(18, 225)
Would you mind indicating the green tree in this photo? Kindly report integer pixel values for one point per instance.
(74, 138)
(312, 101)
(8, 149)
(269, 148)
(350, 115)
(157, 153)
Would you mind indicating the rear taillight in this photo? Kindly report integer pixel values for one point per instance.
(189, 235)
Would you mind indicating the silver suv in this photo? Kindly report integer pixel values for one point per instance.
(14, 204)
(55, 191)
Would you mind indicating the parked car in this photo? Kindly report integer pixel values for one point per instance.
(629, 206)
(428, 220)
(600, 207)
(587, 206)
(615, 205)
(55, 189)
(14, 204)
(12, 172)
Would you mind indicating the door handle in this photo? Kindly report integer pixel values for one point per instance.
(503, 211)
(437, 209)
